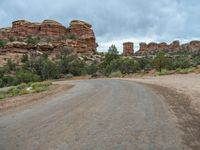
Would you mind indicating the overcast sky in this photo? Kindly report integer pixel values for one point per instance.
(114, 21)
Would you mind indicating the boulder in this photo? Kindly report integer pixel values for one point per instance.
(44, 46)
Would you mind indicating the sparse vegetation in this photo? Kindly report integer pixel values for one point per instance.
(32, 40)
(24, 88)
(66, 65)
(72, 37)
(3, 43)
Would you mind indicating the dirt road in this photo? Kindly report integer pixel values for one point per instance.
(94, 115)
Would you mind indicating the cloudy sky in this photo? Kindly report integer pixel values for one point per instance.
(114, 21)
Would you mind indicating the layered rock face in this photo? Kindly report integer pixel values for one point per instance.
(79, 36)
(85, 34)
(128, 49)
(175, 46)
(52, 28)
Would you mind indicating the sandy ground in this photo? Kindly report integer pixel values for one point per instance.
(182, 94)
(188, 85)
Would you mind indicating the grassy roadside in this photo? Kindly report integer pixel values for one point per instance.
(24, 88)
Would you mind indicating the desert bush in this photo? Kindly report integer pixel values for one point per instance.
(9, 81)
(40, 87)
(2, 95)
(129, 65)
(108, 65)
(33, 40)
(161, 61)
(64, 60)
(180, 62)
(26, 77)
(144, 64)
(25, 89)
(164, 72)
(10, 66)
(1, 83)
(68, 76)
(92, 68)
(2, 72)
(24, 58)
(3, 43)
(72, 37)
(185, 70)
(77, 68)
(117, 74)
(49, 70)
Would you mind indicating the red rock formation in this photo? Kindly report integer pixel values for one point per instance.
(52, 28)
(84, 32)
(23, 28)
(52, 34)
(175, 46)
(152, 46)
(194, 46)
(4, 33)
(143, 47)
(128, 49)
(163, 46)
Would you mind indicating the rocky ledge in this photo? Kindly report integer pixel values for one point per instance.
(175, 46)
(49, 36)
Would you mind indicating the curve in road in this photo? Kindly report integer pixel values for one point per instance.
(94, 115)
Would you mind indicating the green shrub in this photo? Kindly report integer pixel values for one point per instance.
(92, 69)
(1, 83)
(49, 70)
(129, 65)
(72, 37)
(185, 70)
(68, 76)
(40, 87)
(9, 81)
(117, 74)
(164, 72)
(25, 89)
(77, 68)
(180, 62)
(24, 58)
(3, 43)
(33, 40)
(161, 61)
(2, 95)
(2, 72)
(26, 77)
(144, 64)
(10, 65)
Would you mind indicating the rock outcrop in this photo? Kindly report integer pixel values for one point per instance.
(52, 36)
(128, 49)
(175, 46)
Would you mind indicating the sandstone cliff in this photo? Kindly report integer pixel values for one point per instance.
(175, 46)
(51, 37)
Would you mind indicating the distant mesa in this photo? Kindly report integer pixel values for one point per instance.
(175, 46)
(152, 47)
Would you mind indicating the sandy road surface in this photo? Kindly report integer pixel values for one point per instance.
(94, 115)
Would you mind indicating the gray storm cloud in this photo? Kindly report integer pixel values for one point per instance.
(114, 20)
